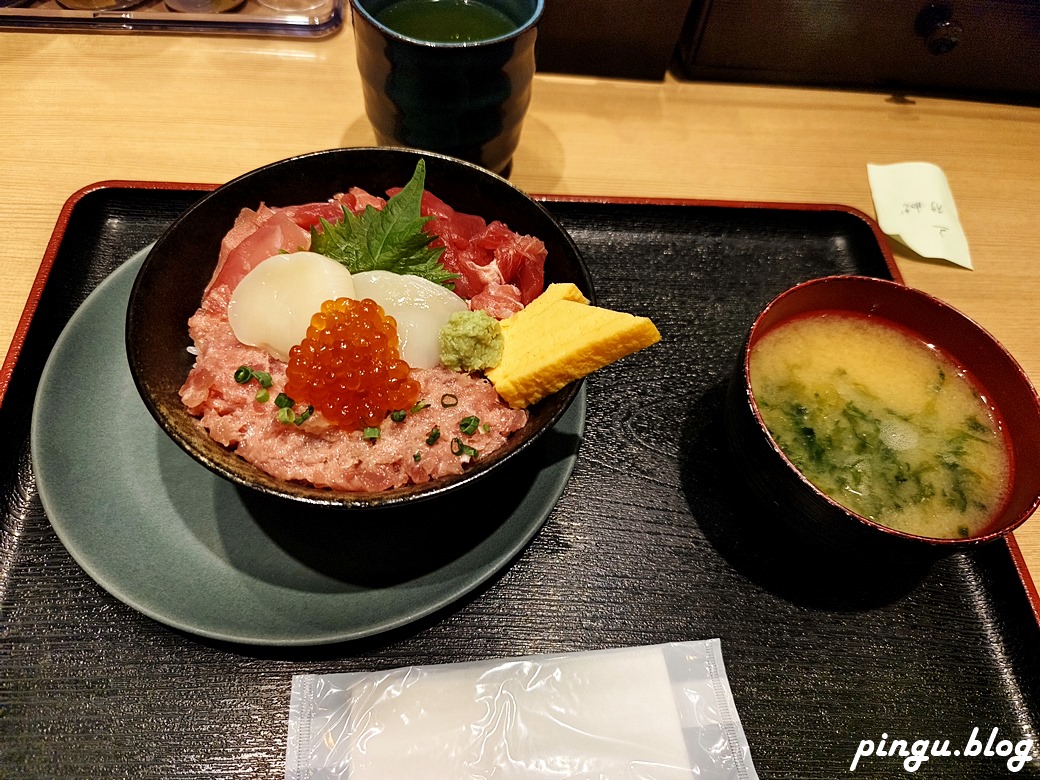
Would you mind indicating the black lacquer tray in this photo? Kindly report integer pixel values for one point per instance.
(653, 540)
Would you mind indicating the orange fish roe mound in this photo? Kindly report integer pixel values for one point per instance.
(349, 366)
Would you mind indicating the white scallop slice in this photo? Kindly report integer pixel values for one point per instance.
(421, 308)
(272, 306)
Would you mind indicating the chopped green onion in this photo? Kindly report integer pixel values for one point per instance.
(398, 415)
(449, 399)
(286, 414)
(419, 406)
(301, 418)
(371, 433)
(458, 447)
(433, 435)
(243, 374)
(417, 457)
(282, 401)
(486, 427)
(263, 396)
(469, 425)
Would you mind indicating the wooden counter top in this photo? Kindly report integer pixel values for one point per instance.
(76, 109)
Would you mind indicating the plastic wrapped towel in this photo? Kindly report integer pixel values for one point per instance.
(660, 712)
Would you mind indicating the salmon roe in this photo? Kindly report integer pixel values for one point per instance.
(349, 366)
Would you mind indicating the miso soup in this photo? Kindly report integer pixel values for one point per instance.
(882, 423)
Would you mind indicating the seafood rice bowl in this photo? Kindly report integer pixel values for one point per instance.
(239, 362)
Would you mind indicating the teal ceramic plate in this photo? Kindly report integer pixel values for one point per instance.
(193, 551)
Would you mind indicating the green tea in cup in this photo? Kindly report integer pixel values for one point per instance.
(446, 21)
(448, 76)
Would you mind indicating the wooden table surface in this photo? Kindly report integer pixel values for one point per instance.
(80, 108)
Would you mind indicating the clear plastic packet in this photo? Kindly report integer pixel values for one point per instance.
(658, 712)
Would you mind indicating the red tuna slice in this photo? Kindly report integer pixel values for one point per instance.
(310, 214)
(454, 228)
(520, 259)
(473, 276)
(471, 244)
(530, 253)
(449, 222)
(456, 238)
(483, 254)
(356, 199)
(465, 225)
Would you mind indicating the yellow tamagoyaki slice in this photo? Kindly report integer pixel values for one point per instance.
(559, 291)
(559, 338)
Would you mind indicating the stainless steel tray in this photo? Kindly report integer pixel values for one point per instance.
(313, 18)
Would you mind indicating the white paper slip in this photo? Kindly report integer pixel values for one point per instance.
(659, 712)
(914, 205)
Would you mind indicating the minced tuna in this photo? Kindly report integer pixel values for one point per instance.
(325, 455)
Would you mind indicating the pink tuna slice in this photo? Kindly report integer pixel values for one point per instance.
(498, 300)
(258, 235)
(277, 234)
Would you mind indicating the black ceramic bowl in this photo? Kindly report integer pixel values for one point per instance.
(816, 516)
(170, 284)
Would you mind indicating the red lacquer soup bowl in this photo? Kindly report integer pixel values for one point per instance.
(999, 379)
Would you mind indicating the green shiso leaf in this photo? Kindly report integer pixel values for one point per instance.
(391, 239)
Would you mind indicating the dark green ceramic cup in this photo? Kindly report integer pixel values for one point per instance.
(463, 99)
